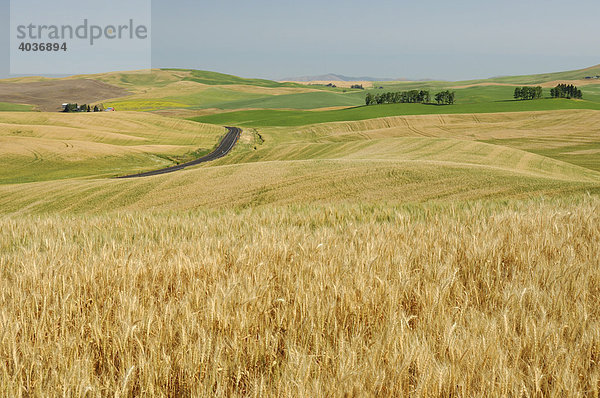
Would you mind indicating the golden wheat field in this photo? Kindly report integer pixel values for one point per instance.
(477, 299)
(453, 255)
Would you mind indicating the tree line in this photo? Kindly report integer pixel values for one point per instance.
(448, 97)
(409, 97)
(560, 91)
(82, 108)
(566, 91)
(445, 97)
(528, 93)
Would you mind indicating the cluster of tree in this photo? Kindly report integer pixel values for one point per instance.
(71, 108)
(330, 85)
(400, 97)
(528, 93)
(82, 108)
(410, 97)
(445, 97)
(358, 86)
(566, 91)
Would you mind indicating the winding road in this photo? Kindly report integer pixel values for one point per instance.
(225, 146)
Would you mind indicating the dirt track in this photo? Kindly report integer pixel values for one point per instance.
(225, 146)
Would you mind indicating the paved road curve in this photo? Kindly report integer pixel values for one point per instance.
(226, 145)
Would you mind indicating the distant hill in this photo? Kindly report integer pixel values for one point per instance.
(339, 78)
(162, 88)
(580, 74)
(590, 74)
(192, 90)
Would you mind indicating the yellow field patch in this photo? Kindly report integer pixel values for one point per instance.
(269, 90)
(291, 182)
(105, 126)
(584, 152)
(556, 125)
(40, 149)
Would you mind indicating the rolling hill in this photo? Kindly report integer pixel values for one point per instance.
(336, 78)
(189, 93)
(391, 159)
(579, 74)
(390, 250)
(48, 146)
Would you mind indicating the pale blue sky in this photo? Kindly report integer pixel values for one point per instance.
(417, 39)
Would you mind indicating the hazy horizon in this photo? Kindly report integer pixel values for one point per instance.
(383, 39)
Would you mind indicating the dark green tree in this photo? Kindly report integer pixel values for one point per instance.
(399, 97)
(528, 93)
(566, 91)
(518, 93)
(439, 98)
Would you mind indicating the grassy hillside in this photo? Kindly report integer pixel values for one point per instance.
(7, 107)
(427, 255)
(417, 149)
(570, 136)
(549, 77)
(193, 90)
(185, 96)
(144, 79)
(49, 146)
(190, 89)
(214, 78)
(225, 92)
(293, 182)
(310, 100)
(541, 78)
(391, 160)
(170, 89)
(265, 118)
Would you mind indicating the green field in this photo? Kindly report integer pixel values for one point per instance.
(164, 77)
(224, 98)
(214, 78)
(193, 90)
(7, 107)
(42, 146)
(265, 118)
(212, 92)
(46, 148)
(411, 158)
(311, 100)
(162, 90)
